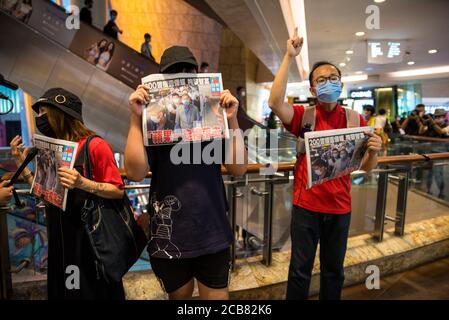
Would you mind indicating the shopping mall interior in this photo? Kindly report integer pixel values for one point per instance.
(393, 56)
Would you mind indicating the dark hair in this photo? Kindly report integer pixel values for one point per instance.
(204, 65)
(147, 35)
(319, 64)
(181, 67)
(66, 127)
(319, 163)
(113, 48)
(370, 108)
(382, 111)
(113, 12)
(86, 2)
(420, 106)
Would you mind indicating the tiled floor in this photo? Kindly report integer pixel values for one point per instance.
(428, 282)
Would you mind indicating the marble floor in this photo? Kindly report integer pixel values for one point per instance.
(427, 282)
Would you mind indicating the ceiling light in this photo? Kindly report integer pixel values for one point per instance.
(433, 51)
(420, 72)
(411, 63)
(360, 88)
(379, 1)
(360, 34)
(362, 77)
(358, 72)
(352, 52)
(342, 64)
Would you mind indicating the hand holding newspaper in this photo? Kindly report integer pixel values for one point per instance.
(183, 107)
(332, 154)
(52, 154)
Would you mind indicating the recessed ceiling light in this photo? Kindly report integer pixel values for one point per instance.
(358, 72)
(379, 1)
(433, 51)
(348, 59)
(411, 63)
(360, 34)
(342, 64)
(349, 52)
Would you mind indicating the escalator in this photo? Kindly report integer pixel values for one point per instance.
(40, 52)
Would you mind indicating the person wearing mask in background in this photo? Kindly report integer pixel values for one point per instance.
(414, 122)
(60, 116)
(145, 48)
(436, 127)
(186, 114)
(5, 193)
(111, 28)
(85, 13)
(204, 68)
(323, 213)
(199, 238)
(368, 115)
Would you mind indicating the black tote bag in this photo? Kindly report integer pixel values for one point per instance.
(116, 239)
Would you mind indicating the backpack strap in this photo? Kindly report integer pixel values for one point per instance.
(307, 124)
(352, 118)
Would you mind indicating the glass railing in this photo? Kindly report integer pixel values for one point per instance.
(401, 190)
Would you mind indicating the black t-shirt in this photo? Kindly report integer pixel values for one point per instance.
(187, 206)
(412, 128)
(86, 15)
(110, 29)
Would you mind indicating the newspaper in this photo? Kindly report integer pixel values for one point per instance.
(52, 154)
(332, 154)
(183, 107)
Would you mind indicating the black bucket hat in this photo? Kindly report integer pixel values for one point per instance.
(175, 55)
(62, 99)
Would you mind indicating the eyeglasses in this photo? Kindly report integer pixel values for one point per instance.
(332, 79)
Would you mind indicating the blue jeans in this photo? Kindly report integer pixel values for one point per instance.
(307, 229)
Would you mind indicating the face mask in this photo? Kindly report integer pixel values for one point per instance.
(318, 172)
(439, 120)
(329, 92)
(44, 127)
(186, 103)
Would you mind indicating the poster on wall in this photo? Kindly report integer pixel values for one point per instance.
(183, 107)
(111, 56)
(332, 154)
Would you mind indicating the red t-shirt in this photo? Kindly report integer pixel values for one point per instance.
(333, 196)
(104, 167)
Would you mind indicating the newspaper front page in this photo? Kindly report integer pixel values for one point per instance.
(332, 154)
(183, 107)
(52, 154)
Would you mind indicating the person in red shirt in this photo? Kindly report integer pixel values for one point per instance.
(60, 117)
(322, 213)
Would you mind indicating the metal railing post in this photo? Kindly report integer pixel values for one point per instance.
(379, 223)
(401, 207)
(268, 224)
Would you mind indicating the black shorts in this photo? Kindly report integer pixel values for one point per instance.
(212, 270)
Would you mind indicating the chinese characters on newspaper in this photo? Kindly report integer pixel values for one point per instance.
(183, 108)
(332, 154)
(52, 154)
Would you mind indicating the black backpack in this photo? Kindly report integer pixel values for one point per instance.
(117, 240)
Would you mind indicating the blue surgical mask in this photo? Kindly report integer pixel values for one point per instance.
(186, 103)
(328, 92)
